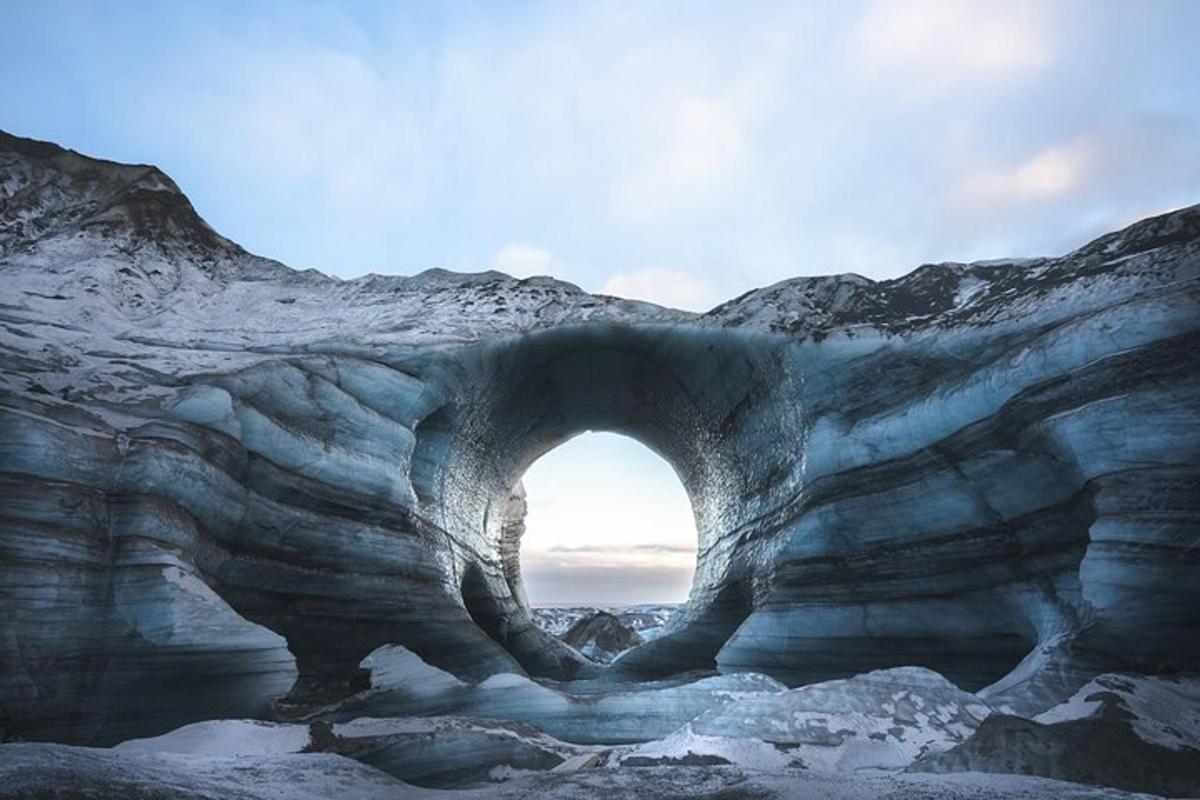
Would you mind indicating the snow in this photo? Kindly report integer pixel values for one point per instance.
(745, 752)
(585, 712)
(225, 738)
(384, 726)
(90, 302)
(448, 725)
(506, 680)
(968, 289)
(31, 770)
(879, 720)
(394, 667)
(26, 770)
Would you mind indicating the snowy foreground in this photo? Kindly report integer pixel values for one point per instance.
(420, 732)
(28, 769)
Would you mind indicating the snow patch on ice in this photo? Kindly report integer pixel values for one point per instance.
(879, 720)
(744, 752)
(225, 738)
(396, 667)
(507, 680)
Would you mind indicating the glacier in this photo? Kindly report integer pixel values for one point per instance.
(226, 483)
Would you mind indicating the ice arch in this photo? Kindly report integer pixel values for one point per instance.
(965, 464)
(679, 391)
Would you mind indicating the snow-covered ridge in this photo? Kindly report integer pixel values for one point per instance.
(972, 294)
(647, 619)
(109, 261)
(881, 720)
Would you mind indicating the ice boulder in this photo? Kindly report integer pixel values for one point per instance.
(595, 712)
(881, 720)
(225, 738)
(446, 752)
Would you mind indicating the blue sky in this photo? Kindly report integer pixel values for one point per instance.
(676, 152)
(681, 152)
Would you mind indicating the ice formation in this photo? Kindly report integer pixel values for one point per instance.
(226, 481)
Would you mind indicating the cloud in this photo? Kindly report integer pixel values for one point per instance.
(696, 147)
(618, 548)
(525, 260)
(316, 115)
(1051, 173)
(666, 287)
(610, 556)
(1085, 185)
(939, 43)
(606, 585)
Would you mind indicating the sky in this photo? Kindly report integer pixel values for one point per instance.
(624, 535)
(677, 152)
(680, 152)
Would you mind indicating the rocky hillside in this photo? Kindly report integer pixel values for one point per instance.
(648, 620)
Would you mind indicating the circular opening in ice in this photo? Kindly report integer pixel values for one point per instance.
(608, 524)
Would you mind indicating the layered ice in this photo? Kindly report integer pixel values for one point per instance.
(601, 712)
(227, 482)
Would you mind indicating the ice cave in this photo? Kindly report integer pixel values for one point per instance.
(262, 519)
(606, 523)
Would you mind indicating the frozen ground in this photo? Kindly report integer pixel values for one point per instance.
(901, 732)
(42, 771)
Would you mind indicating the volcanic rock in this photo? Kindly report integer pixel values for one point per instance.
(601, 637)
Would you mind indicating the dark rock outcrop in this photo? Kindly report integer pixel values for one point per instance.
(1134, 733)
(601, 636)
(211, 464)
